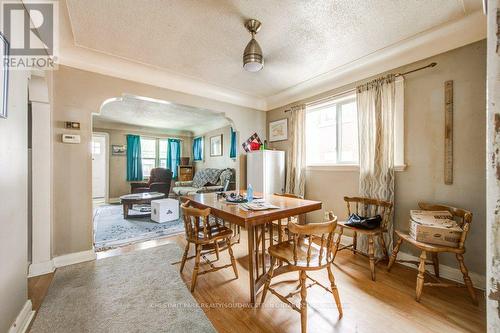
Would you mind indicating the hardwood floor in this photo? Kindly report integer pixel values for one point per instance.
(387, 305)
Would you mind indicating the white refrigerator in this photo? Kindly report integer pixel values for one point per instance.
(266, 171)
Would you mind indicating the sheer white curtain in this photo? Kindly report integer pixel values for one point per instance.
(376, 110)
(296, 159)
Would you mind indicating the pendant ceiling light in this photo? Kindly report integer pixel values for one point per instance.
(253, 60)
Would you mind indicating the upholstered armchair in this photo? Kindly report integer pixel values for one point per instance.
(160, 180)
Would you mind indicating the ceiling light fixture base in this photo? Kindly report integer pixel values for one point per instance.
(253, 25)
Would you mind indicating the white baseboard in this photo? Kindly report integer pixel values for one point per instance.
(114, 200)
(447, 272)
(41, 268)
(74, 258)
(23, 319)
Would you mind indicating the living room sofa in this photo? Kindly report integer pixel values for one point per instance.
(205, 181)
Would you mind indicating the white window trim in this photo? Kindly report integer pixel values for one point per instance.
(345, 167)
(399, 134)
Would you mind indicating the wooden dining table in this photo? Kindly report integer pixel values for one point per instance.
(254, 223)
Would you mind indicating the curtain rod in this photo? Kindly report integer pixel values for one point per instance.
(432, 64)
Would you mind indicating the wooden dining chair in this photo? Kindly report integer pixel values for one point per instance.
(205, 237)
(366, 207)
(464, 220)
(308, 249)
(281, 224)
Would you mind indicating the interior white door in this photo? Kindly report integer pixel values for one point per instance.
(98, 166)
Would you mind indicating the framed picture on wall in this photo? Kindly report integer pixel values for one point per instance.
(4, 76)
(216, 145)
(278, 130)
(118, 149)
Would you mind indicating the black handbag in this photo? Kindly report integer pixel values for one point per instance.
(362, 222)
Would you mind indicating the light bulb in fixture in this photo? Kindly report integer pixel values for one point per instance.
(253, 60)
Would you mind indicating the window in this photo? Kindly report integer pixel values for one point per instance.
(332, 132)
(198, 149)
(163, 152)
(148, 155)
(153, 154)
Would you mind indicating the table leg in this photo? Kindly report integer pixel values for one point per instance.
(251, 251)
(125, 210)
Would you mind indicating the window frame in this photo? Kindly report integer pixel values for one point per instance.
(343, 99)
(399, 133)
(157, 157)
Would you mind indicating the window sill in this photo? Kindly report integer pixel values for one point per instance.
(346, 167)
(334, 167)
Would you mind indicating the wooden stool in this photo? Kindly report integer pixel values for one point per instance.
(366, 207)
(464, 220)
(203, 234)
(309, 249)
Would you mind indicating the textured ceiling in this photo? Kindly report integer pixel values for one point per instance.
(138, 112)
(300, 39)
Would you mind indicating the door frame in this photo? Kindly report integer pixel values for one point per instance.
(107, 150)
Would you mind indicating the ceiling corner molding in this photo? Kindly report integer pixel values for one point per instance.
(438, 40)
(89, 60)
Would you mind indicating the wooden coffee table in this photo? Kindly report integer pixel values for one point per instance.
(138, 199)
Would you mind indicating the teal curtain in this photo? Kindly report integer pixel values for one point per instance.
(232, 151)
(198, 149)
(173, 155)
(134, 161)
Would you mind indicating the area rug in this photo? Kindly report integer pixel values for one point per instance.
(136, 292)
(112, 230)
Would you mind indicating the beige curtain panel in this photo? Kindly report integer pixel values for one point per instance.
(296, 161)
(376, 108)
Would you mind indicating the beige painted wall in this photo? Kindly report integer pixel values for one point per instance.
(14, 201)
(118, 184)
(220, 162)
(424, 124)
(78, 94)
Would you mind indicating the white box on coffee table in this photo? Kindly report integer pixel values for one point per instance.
(164, 210)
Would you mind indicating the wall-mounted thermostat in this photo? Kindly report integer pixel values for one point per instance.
(70, 138)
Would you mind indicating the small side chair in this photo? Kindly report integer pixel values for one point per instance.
(367, 207)
(308, 249)
(464, 220)
(204, 235)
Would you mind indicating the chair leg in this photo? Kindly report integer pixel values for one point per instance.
(280, 231)
(354, 242)
(420, 276)
(392, 260)
(196, 267)
(216, 246)
(268, 281)
(467, 280)
(303, 302)
(384, 247)
(337, 243)
(259, 236)
(435, 261)
(371, 255)
(233, 261)
(335, 292)
(184, 257)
